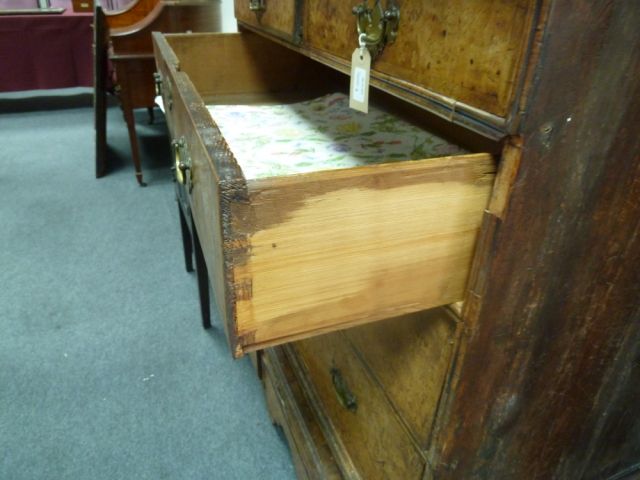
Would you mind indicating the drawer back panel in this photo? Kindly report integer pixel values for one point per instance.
(241, 64)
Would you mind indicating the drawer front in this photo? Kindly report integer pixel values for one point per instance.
(166, 63)
(410, 358)
(356, 411)
(469, 51)
(276, 17)
(289, 409)
(189, 122)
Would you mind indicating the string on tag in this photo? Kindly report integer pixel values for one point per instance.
(362, 44)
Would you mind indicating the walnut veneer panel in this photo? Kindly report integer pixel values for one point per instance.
(470, 51)
(410, 358)
(368, 428)
(278, 17)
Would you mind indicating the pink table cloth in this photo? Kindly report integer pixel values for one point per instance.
(45, 51)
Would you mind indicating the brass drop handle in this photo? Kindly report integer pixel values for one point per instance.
(345, 395)
(257, 5)
(182, 162)
(157, 80)
(377, 28)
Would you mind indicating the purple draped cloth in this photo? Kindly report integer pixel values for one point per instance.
(45, 51)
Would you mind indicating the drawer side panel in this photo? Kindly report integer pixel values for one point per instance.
(339, 248)
(189, 119)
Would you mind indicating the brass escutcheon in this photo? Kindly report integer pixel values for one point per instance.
(257, 5)
(157, 80)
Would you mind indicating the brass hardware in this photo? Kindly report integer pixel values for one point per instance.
(157, 80)
(168, 93)
(345, 396)
(182, 163)
(257, 5)
(377, 28)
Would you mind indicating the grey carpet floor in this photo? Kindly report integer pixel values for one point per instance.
(105, 372)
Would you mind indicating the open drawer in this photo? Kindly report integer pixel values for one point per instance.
(295, 253)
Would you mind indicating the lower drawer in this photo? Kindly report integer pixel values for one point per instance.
(354, 410)
(410, 358)
(293, 255)
(290, 410)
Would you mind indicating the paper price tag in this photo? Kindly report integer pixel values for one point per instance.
(360, 72)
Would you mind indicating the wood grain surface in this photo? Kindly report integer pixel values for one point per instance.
(289, 409)
(471, 51)
(410, 358)
(548, 383)
(246, 65)
(337, 248)
(357, 236)
(278, 17)
(189, 119)
(372, 434)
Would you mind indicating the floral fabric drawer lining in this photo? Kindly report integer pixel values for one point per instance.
(320, 134)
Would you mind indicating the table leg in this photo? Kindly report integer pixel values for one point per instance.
(203, 282)
(187, 245)
(133, 139)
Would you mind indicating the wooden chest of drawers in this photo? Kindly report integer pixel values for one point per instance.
(520, 382)
(262, 234)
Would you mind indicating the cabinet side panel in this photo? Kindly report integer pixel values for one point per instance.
(547, 374)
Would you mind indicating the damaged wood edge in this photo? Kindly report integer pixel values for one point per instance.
(233, 197)
(507, 171)
(530, 60)
(493, 216)
(533, 65)
(236, 250)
